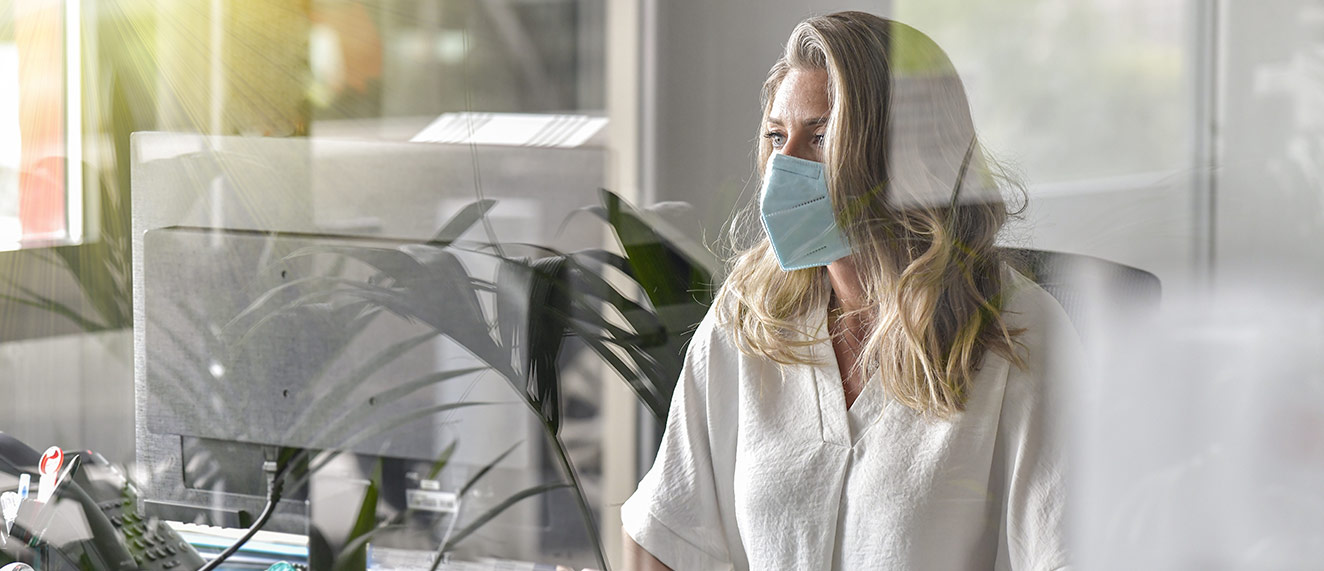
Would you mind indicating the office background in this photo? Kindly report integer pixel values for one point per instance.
(1182, 137)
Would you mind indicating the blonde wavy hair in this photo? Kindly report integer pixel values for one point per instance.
(919, 202)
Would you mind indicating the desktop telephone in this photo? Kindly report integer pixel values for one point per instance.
(111, 533)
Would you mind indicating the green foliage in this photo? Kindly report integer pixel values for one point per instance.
(677, 276)
(505, 504)
(102, 268)
(356, 557)
(536, 305)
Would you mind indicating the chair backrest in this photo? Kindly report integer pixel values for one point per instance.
(1089, 287)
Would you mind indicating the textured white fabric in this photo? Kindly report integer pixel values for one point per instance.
(763, 467)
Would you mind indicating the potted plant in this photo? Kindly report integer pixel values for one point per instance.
(634, 311)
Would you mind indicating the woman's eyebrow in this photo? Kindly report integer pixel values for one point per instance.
(815, 122)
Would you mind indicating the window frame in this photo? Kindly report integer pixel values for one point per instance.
(67, 40)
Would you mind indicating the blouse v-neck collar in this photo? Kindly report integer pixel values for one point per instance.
(842, 426)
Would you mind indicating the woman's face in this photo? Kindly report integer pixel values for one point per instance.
(799, 115)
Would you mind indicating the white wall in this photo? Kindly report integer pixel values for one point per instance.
(704, 65)
(1270, 192)
(1151, 226)
(74, 391)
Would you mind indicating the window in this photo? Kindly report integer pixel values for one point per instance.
(1070, 91)
(38, 110)
(388, 69)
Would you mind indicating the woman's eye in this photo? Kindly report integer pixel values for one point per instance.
(777, 139)
(818, 140)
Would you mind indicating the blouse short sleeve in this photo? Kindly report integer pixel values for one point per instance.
(1032, 440)
(674, 514)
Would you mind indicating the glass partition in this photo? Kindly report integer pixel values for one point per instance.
(356, 254)
(364, 310)
(437, 438)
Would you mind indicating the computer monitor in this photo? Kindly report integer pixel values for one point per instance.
(242, 349)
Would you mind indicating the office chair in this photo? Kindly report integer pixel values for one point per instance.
(1089, 288)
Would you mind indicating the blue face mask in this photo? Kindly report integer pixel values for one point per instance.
(797, 214)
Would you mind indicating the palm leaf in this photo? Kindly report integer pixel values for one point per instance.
(669, 268)
(42, 302)
(461, 222)
(591, 288)
(512, 303)
(548, 305)
(91, 266)
(470, 333)
(485, 469)
(390, 424)
(424, 287)
(442, 460)
(360, 538)
(496, 510)
(354, 555)
(468, 328)
(348, 419)
(275, 303)
(646, 391)
(340, 390)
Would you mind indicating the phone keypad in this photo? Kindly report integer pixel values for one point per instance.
(152, 542)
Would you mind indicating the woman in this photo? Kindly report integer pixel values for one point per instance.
(867, 391)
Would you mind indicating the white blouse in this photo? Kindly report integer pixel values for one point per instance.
(763, 467)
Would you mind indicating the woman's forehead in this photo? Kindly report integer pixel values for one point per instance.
(803, 97)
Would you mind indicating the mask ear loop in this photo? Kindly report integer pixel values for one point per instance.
(956, 188)
(960, 177)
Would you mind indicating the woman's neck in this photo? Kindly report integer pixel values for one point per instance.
(848, 298)
(847, 326)
(847, 288)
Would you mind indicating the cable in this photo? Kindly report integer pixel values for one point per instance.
(274, 486)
